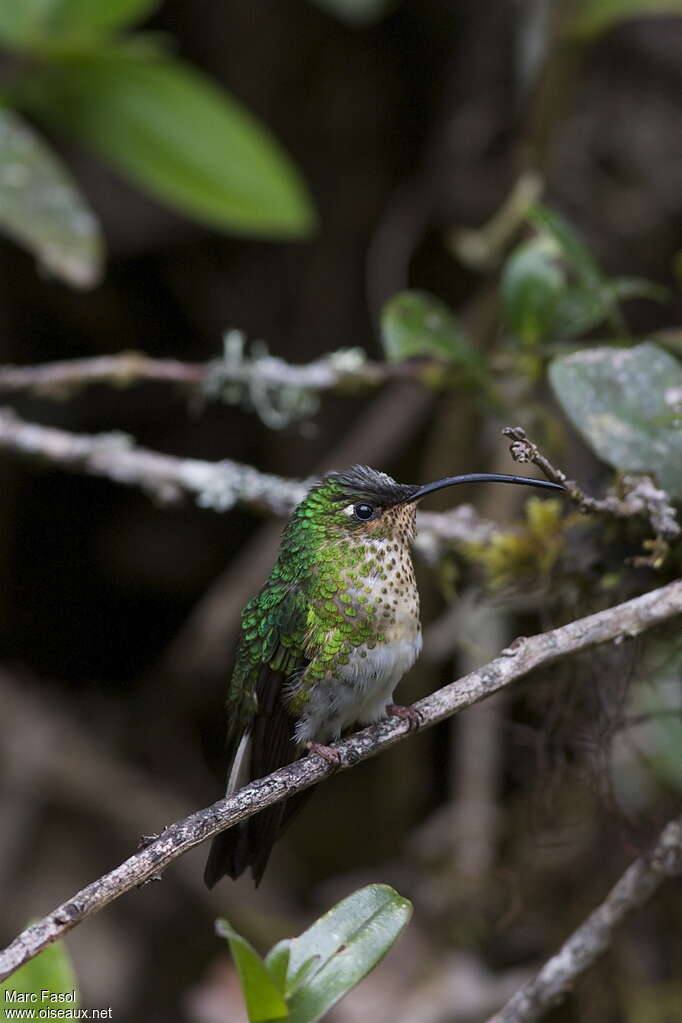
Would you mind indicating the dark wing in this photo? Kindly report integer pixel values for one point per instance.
(270, 742)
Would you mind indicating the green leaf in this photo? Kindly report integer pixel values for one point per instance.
(98, 16)
(22, 20)
(415, 323)
(347, 942)
(49, 972)
(625, 288)
(572, 247)
(277, 964)
(357, 12)
(41, 208)
(176, 134)
(593, 17)
(264, 1000)
(627, 404)
(532, 285)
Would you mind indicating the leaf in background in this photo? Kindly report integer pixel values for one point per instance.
(357, 12)
(176, 134)
(22, 20)
(277, 964)
(595, 16)
(41, 208)
(636, 287)
(50, 971)
(415, 323)
(348, 942)
(95, 16)
(572, 247)
(627, 404)
(264, 1001)
(532, 285)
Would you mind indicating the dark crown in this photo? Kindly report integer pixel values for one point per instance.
(362, 483)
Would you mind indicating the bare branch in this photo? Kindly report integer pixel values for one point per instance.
(60, 379)
(642, 496)
(526, 654)
(639, 882)
(214, 485)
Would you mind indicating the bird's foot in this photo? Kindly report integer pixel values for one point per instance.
(414, 717)
(328, 753)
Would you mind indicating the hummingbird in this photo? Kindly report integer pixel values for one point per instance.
(326, 641)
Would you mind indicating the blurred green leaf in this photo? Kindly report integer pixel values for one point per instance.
(22, 20)
(627, 404)
(532, 285)
(277, 964)
(177, 135)
(625, 288)
(50, 971)
(593, 17)
(415, 323)
(41, 208)
(356, 12)
(31, 23)
(347, 942)
(264, 1000)
(572, 247)
(69, 16)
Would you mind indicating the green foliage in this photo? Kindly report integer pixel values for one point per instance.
(32, 24)
(509, 558)
(263, 992)
(592, 17)
(154, 118)
(23, 20)
(533, 283)
(41, 208)
(553, 290)
(302, 978)
(627, 404)
(174, 133)
(82, 17)
(52, 972)
(416, 323)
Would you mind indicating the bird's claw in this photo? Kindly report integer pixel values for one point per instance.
(414, 717)
(330, 755)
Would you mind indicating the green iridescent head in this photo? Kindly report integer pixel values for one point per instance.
(362, 501)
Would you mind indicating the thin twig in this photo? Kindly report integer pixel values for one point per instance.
(215, 485)
(616, 623)
(639, 882)
(642, 496)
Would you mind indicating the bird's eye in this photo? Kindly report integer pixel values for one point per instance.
(364, 512)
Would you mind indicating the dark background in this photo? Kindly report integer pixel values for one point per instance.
(113, 720)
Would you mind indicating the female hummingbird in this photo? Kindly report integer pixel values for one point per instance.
(326, 641)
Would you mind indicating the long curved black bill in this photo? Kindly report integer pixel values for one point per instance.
(481, 477)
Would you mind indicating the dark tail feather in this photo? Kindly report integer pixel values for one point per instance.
(249, 844)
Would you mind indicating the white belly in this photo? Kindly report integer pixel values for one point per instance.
(360, 691)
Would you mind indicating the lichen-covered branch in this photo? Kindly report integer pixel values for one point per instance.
(526, 654)
(213, 485)
(639, 882)
(279, 391)
(642, 496)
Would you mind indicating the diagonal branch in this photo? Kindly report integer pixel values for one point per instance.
(617, 623)
(639, 882)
